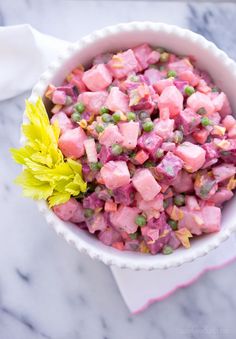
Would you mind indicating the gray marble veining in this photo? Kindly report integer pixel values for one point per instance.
(49, 290)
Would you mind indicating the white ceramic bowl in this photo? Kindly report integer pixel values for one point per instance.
(123, 36)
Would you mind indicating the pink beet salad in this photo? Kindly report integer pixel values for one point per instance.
(157, 143)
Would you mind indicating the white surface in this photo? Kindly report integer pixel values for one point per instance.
(48, 289)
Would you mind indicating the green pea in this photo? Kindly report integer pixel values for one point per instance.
(104, 110)
(116, 149)
(106, 117)
(148, 164)
(179, 200)
(148, 126)
(88, 212)
(95, 166)
(201, 111)
(141, 220)
(76, 116)
(206, 121)
(189, 90)
(178, 137)
(133, 236)
(171, 74)
(99, 128)
(131, 116)
(173, 224)
(69, 100)
(134, 78)
(165, 204)
(215, 89)
(80, 107)
(167, 250)
(116, 117)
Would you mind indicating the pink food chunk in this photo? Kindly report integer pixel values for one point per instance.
(117, 100)
(221, 196)
(90, 148)
(200, 100)
(150, 142)
(145, 184)
(160, 85)
(111, 135)
(97, 223)
(71, 143)
(122, 64)
(170, 166)
(93, 101)
(229, 122)
(63, 121)
(124, 219)
(172, 99)
(152, 208)
(222, 104)
(78, 215)
(115, 174)
(66, 210)
(142, 54)
(97, 78)
(223, 172)
(211, 219)
(164, 128)
(59, 97)
(189, 120)
(192, 155)
(183, 182)
(180, 66)
(129, 131)
(153, 75)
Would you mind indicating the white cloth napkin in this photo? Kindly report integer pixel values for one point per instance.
(25, 53)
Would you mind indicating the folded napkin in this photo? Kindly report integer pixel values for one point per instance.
(25, 53)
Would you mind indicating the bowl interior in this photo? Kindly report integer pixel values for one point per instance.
(180, 41)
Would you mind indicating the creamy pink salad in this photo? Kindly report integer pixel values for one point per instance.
(157, 143)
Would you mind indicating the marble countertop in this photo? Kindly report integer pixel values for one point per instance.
(49, 290)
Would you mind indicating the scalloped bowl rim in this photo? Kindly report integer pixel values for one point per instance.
(83, 241)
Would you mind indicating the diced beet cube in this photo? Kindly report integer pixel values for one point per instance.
(129, 131)
(223, 172)
(153, 75)
(122, 64)
(117, 100)
(164, 128)
(105, 154)
(115, 174)
(63, 121)
(183, 182)
(150, 142)
(93, 101)
(145, 184)
(199, 100)
(111, 135)
(172, 99)
(160, 85)
(221, 196)
(59, 97)
(109, 236)
(170, 166)
(192, 155)
(124, 194)
(71, 143)
(66, 210)
(124, 219)
(189, 120)
(92, 201)
(142, 54)
(180, 66)
(96, 223)
(97, 78)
